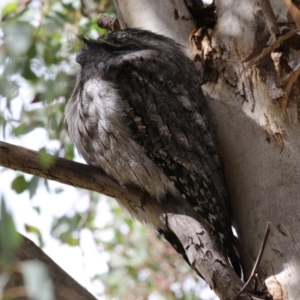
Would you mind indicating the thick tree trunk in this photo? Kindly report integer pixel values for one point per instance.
(256, 111)
(258, 131)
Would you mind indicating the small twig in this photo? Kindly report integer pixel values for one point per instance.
(294, 10)
(270, 18)
(250, 60)
(260, 254)
(109, 23)
(82, 9)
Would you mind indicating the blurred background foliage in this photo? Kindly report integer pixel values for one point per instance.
(38, 42)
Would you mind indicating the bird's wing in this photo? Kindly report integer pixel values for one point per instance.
(167, 113)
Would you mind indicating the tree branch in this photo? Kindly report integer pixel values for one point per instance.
(65, 287)
(63, 170)
(201, 253)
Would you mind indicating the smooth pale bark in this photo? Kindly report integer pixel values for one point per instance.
(169, 18)
(259, 140)
(258, 132)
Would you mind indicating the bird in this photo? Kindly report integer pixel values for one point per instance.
(138, 112)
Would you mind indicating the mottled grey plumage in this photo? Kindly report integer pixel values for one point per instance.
(138, 113)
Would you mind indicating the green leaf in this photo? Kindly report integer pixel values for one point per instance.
(46, 159)
(18, 37)
(19, 184)
(32, 51)
(9, 8)
(24, 129)
(58, 190)
(9, 238)
(37, 232)
(66, 229)
(69, 150)
(69, 239)
(37, 280)
(33, 185)
(27, 72)
(37, 209)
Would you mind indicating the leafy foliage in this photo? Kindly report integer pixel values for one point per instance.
(38, 41)
(9, 239)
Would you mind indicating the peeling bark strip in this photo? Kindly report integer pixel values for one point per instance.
(181, 221)
(278, 62)
(109, 23)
